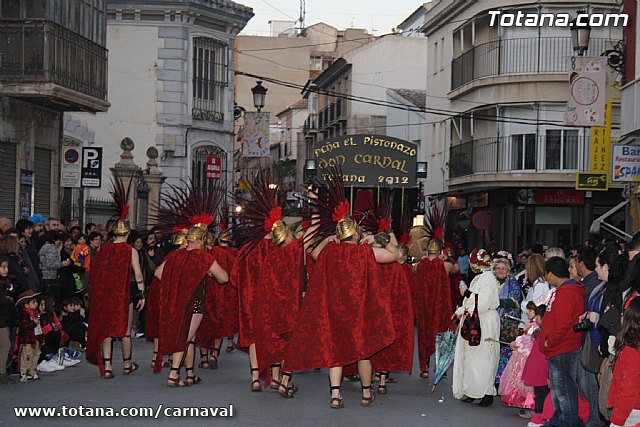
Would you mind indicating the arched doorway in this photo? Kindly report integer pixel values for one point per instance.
(209, 158)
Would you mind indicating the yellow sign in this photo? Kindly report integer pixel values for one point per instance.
(592, 181)
(600, 157)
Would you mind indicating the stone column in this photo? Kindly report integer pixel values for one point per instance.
(130, 174)
(154, 179)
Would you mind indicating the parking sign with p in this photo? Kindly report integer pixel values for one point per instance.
(92, 167)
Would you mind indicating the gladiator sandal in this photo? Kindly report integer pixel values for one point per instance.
(230, 344)
(275, 384)
(204, 359)
(153, 359)
(255, 384)
(215, 354)
(289, 390)
(336, 402)
(108, 373)
(175, 382)
(193, 378)
(367, 401)
(133, 366)
(382, 383)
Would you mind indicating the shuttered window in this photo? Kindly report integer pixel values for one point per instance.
(42, 184)
(8, 180)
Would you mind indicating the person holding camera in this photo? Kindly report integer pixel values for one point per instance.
(560, 344)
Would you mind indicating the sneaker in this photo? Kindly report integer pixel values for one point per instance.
(70, 362)
(24, 378)
(140, 335)
(35, 377)
(72, 353)
(532, 424)
(45, 366)
(525, 413)
(61, 355)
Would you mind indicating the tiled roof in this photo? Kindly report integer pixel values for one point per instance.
(414, 96)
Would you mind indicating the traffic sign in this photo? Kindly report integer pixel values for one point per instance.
(92, 167)
(592, 181)
(481, 220)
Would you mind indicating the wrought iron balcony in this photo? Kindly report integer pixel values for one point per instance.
(333, 113)
(517, 56)
(48, 63)
(311, 124)
(557, 151)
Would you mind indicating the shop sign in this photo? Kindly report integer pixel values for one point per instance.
(625, 163)
(592, 181)
(214, 167)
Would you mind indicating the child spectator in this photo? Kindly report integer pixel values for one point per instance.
(51, 326)
(73, 322)
(624, 394)
(81, 257)
(28, 332)
(7, 312)
(512, 390)
(536, 370)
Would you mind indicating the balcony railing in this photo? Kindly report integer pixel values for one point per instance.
(311, 124)
(332, 113)
(517, 56)
(42, 51)
(561, 152)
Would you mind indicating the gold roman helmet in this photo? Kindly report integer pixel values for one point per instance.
(180, 238)
(280, 232)
(122, 227)
(346, 227)
(209, 241)
(434, 246)
(225, 237)
(197, 232)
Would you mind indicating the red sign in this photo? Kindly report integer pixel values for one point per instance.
(214, 167)
(558, 196)
(481, 220)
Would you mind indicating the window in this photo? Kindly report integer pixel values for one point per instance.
(209, 79)
(561, 149)
(316, 63)
(523, 152)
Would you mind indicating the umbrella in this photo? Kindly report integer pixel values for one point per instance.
(445, 349)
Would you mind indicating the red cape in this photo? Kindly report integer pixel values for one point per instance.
(342, 319)
(152, 306)
(221, 303)
(399, 355)
(433, 305)
(109, 305)
(183, 272)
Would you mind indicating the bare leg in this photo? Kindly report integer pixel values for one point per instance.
(230, 344)
(275, 375)
(107, 350)
(255, 371)
(155, 351)
(365, 370)
(335, 378)
(196, 319)
(215, 353)
(126, 342)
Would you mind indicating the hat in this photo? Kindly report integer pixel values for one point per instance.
(37, 219)
(503, 257)
(26, 295)
(480, 260)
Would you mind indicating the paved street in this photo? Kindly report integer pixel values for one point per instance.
(409, 402)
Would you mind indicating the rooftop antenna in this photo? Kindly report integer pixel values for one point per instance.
(302, 31)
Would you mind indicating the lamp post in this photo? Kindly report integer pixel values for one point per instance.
(580, 34)
(259, 95)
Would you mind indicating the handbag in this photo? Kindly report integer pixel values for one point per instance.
(606, 376)
(470, 330)
(611, 320)
(509, 330)
(590, 358)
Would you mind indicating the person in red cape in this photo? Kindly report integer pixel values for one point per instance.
(269, 280)
(399, 355)
(433, 301)
(111, 301)
(153, 306)
(221, 307)
(342, 320)
(182, 275)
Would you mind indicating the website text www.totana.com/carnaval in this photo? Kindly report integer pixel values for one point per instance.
(108, 412)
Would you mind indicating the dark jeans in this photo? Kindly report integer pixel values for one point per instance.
(54, 288)
(563, 373)
(540, 392)
(589, 389)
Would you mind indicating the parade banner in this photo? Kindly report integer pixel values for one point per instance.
(370, 160)
(588, 92)
(255, 134)
(625, 163)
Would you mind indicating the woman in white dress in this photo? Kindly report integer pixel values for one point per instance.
(475, 367)
(534, 267)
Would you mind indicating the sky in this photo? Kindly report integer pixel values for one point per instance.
(341, 14)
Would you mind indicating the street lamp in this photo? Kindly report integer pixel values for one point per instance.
(259, 94)
(580, 35)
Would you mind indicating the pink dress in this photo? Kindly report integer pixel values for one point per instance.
(512, 390)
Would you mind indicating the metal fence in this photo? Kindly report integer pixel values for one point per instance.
(559, 150)
(98, 211)
(518, 56)
(43, 51)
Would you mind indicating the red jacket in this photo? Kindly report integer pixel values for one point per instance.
(624, 394)
(563, 310)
